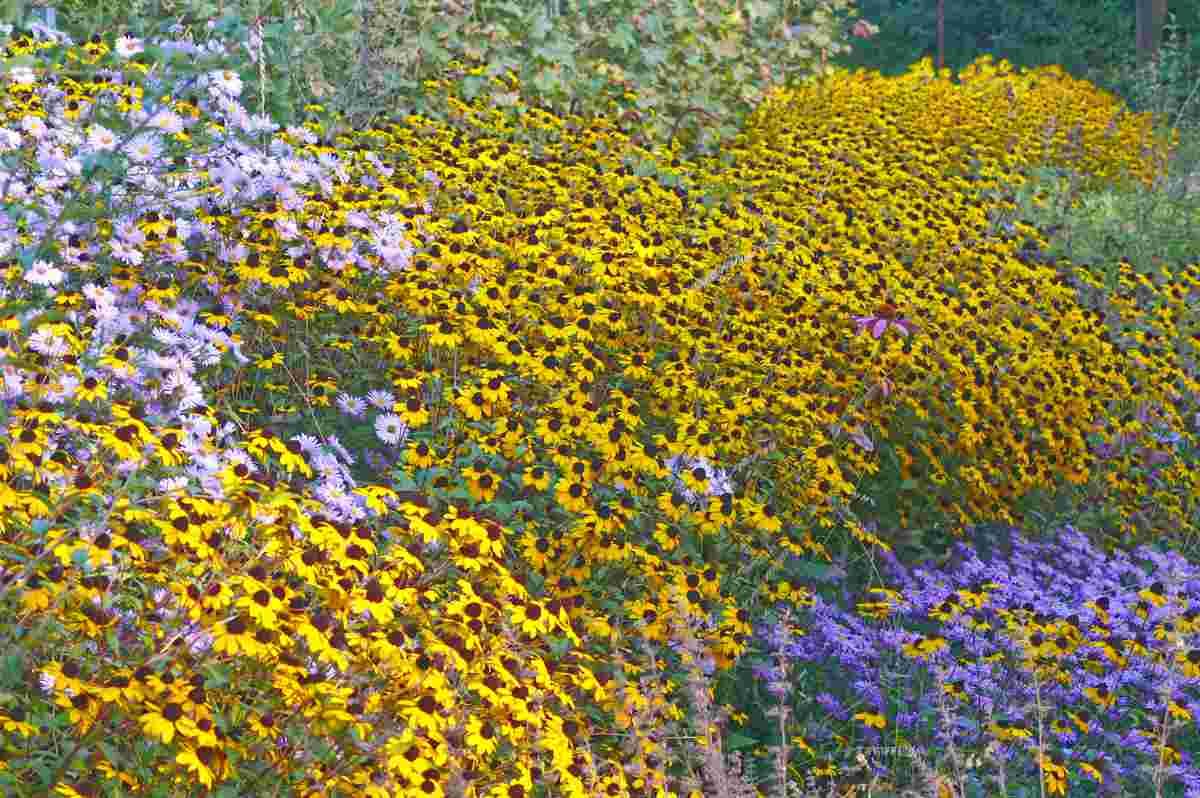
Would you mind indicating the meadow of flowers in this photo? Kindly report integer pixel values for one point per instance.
(413, 461)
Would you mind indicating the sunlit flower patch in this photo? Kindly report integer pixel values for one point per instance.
(608, 385)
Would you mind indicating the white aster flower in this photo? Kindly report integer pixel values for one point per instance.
(128, 46)
(382, 400)
(22, 75)
(391, 429)
(351, 405)
(227, 81)
(9, 139)
(47, 343)
(101, 138)
(168, 122)
(171, 484)
(145, 148)
(125, 253)
(44, 274)
(34, 126)
(308, 443)
(295, 171)
(46, 681)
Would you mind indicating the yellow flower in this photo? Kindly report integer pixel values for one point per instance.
(92, 389)
(482, 736)
(572, 495)
(234, 637)
(163, 724)
(482, 484)
(924, 647)
(198, 762)
(530, 617)
(537, 478)
(12, 725)
(871, 719)
(1054, 773)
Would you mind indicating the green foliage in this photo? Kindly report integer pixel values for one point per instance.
(1092, 39)
(665, 68)
(1146, 227)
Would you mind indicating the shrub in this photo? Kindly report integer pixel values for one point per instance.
(664, 68)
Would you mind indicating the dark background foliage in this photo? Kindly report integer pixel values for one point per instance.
(1092, 39)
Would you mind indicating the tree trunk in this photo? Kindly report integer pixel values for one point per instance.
(1151, 14)
(941, 31)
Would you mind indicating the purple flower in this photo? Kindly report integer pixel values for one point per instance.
(885, 316)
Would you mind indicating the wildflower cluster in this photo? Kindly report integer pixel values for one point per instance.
(201, 572)
(1057, 660)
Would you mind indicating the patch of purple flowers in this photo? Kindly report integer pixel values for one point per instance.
(1094, 652)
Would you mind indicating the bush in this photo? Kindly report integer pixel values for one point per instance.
(664, 68)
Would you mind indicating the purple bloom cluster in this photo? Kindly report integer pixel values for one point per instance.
(1094, 651)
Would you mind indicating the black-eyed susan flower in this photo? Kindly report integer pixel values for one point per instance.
(1101, 696)
(166, 721)
(481, 735)
(235, 636)
(924, 647)
(205, 763)
(530, 617)
(1189, 662)
(1054, 774)
(572, 495)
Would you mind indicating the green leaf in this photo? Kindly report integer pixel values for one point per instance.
(471, 86)
(737, 741)
(510, 8)
(217, 676)
(622, 38)
(813, 569)
(540, 29)
(654, 57)
(405, 481)
(559, 646)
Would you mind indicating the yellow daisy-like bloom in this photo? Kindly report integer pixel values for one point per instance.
(537, 551)
(92, 389)
(200, 763)
(413, 412)
(1092, 772)
(481, 735)
(1054, 773)
(871, 719)
(235, 637)
(531, 618)
(442, 334)
(1189, 662)
(321, 392)
(420, 455)
(14, 723)
(537, 477)
(166, 722)
(1101, 696)
(292, 459)
(572, 495)
(482, 484)
(924, 647)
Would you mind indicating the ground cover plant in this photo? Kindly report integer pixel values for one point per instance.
(416, 460)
